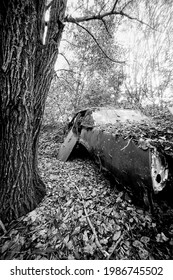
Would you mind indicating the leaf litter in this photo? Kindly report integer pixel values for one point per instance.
(82, 217)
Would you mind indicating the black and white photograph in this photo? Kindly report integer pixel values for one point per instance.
(86, 138)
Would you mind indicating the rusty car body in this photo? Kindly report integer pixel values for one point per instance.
(127, 144)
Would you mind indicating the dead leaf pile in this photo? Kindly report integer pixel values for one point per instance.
(154, 132)
(83, 217)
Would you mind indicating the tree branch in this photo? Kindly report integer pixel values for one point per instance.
(65, 58)
(114, 6)
(136, 19)
(71, 87)
(126, 5)
(100, 16)
(2, 226)
(105, 25)
(102, 8)
(65, 40)
(80, 6)
(116, 61)
(115, 246)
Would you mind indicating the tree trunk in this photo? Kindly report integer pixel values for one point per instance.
(26, 71)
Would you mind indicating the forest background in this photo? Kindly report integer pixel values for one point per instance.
(120, 62)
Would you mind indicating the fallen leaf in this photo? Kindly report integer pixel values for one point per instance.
(143, 254)
(103, 241)
(71, 257)
(161, 237)
(80, 212)
(137, 244)
(66, 239)
(116, 235)
(68, 202)
(76, 230)
(89, 249)
(85, 236)
(145, 239)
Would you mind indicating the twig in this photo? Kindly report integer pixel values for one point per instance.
(114, 6)
(105, 25)
(135, 19)
(115, 246)
(65, 58)
(116, 61)
(65, 40)
(98, 211)
(105, 254)
(123, 8)
(102, 8)
(3, 227)
(126, 145)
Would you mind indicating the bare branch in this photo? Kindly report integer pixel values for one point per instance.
(3, 227)
(65, 40)
(115, 246)
(102, 8)
(71, 87)
(136, 19)
(101, 16)
(65, 58)
(114, 6)
(116, 61)
(105, 25)
(85, 18)
(126, 5)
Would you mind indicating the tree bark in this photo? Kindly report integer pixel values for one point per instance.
(26, 67)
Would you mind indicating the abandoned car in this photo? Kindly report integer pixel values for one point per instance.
(136, 149)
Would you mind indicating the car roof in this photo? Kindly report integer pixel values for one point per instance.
(111, 115)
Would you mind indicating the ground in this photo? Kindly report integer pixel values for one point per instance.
(83, 216)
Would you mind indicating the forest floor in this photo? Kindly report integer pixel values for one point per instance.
(83, 216)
